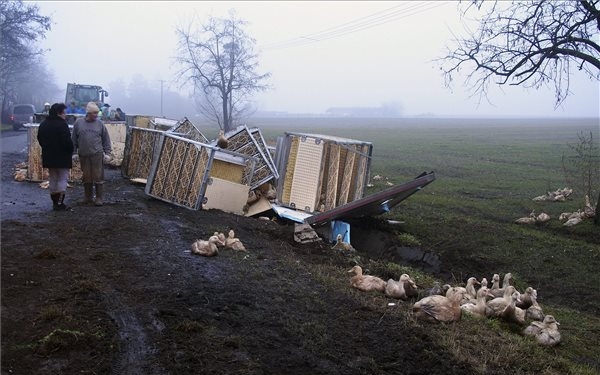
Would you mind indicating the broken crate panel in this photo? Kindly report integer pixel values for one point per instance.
(140, 146)
(321, 172)
(138, 121)
(186, 129)
(189, 174)
(163, 123)
(251, 143)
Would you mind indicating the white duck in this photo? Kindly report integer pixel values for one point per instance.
(221, 238)
(511, 312)
(342, 246)
(526, 299)
(526, 220)
(234, 243)
(546, 333)
(410, 286)
(206, 248)
(395, 289)
(495, 281)
(366, 283)
(477, 309)
(542, 218)
(469, 294)
(494, 307)
(438, 308)
(484, 282)
(505, 283)
(573, 221)
(535, 310)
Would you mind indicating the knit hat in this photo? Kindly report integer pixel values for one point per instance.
(92, 107)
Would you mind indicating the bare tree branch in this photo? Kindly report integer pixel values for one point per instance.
(528, 43)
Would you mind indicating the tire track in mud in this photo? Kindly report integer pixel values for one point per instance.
(136, 353)
(133, 342)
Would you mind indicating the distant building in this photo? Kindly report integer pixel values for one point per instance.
(363, 112)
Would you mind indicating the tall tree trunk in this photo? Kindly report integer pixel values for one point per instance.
(226, 115)
(597, 217)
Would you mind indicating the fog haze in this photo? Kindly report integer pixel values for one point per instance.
(122, 45)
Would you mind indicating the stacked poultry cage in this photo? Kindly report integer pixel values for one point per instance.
(321, 172)
(197, 176)
(142, 143)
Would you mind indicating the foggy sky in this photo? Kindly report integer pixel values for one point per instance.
(104, 42)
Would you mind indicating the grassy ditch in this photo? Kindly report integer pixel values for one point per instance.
(487, 172)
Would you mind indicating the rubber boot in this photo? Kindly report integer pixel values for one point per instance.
(88, 189)
(55, 200)
(99, 193)
(61, 203)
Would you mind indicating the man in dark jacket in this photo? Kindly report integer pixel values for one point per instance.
(57, 147)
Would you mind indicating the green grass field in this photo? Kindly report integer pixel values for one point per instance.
(487, 172)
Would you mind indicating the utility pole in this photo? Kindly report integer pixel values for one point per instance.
(161, 97)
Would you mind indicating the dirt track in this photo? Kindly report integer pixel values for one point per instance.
(114, 290)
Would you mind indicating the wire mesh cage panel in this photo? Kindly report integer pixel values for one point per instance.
(181, 169)
(339, 170)
(250, 142)
(140, 146)
(186, 129)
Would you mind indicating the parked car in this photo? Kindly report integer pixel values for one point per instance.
(22, 114)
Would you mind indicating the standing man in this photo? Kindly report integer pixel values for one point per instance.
(55, 139)
(92, 142)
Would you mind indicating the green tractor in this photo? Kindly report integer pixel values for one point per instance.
(80, 96)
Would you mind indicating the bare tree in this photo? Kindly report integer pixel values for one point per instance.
(21, 26)
(218, 58)
(531, 43)
(582, 166)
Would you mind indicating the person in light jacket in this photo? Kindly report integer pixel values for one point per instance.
(92, 142)
(55, 139)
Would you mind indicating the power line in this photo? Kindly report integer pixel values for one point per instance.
(359, 24)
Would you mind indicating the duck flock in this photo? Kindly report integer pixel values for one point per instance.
(210, 247)
(568, 219)
(441, 303)
(448, 303)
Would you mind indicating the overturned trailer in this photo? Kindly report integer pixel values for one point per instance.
(198, 176)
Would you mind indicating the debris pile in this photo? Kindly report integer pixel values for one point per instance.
(310, 179)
